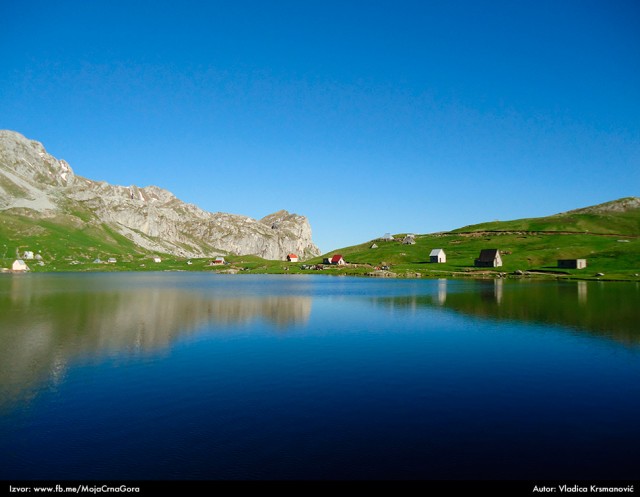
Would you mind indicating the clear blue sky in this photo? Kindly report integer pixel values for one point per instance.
(365, 116)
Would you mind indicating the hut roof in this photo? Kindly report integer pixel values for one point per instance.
(20, 265)
(487, 255)
(409, 240)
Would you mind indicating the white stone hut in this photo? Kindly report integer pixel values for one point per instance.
(19, 266)
(438, 256)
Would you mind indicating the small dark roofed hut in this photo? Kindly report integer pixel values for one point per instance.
(489, 258)
(572, 263)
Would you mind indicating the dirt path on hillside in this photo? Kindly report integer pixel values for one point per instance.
(532, 233)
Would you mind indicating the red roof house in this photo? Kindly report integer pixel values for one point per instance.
(338, 259)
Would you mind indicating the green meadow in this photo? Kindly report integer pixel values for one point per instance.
(532, 253)
(60, 240)
(609, 240)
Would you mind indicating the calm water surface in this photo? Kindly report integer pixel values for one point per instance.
(200, 376)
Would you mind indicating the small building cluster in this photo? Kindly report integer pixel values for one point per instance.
(20, 266)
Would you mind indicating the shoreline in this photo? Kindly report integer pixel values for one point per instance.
(402, 274)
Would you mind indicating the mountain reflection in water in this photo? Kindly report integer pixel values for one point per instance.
(46, 322)
(194, 376)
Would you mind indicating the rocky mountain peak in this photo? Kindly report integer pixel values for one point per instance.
(151, 217)
(29, 160)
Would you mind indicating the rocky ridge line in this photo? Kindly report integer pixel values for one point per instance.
(34, 182)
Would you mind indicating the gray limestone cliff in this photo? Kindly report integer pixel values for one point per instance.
(34, 182)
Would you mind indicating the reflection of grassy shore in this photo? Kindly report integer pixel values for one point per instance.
(604, 310)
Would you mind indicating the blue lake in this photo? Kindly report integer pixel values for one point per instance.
(200, 376)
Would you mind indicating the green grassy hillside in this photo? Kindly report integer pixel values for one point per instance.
(617, 217)
(608, 236)
(60, 240)
(531, 252)
(73, 242)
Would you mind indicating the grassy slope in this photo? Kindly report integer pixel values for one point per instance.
(589, 220)
(72, 242)
(524, 252)
(59, 240)
(527, 244)
(63, 241)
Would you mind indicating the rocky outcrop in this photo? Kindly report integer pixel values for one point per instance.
(153, 218)
(621, 205)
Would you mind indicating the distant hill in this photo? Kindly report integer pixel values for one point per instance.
(607, 235)
(46, 208)
(620, 216)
